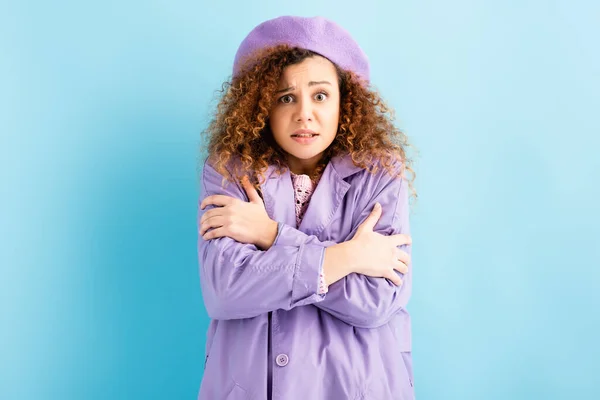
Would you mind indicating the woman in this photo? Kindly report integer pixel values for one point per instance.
(303, 225)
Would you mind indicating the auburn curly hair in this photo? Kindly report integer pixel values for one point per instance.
(240, 129)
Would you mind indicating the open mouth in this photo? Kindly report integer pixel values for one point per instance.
(305, 135)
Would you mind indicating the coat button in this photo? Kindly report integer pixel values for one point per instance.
(282, 360)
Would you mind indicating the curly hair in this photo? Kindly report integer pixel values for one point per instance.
(240, 128)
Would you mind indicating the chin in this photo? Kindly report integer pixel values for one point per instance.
(306, 155)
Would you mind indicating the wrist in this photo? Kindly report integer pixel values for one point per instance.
(338, 262)
(268, 235)
(351, 256)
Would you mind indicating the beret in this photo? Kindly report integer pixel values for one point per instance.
(317, 34)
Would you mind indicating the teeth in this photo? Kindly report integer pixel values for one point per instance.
(305, 135)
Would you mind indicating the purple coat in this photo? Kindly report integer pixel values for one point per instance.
(271, 335)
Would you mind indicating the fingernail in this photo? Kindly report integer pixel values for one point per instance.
(377, 205)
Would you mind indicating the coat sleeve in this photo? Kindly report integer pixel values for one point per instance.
(241, 281)
(360, 300)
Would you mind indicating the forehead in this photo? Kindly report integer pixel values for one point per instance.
(314, 68)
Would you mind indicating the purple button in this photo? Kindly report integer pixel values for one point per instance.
(282, 360)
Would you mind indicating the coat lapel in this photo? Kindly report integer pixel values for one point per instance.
(278, 195)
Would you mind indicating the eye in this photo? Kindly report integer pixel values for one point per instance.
(286, 99)
(321, 96)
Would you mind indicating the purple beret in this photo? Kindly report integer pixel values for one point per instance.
(316, 34)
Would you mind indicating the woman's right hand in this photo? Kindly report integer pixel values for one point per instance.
(378, 255)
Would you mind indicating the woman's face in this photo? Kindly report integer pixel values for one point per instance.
(304, 119)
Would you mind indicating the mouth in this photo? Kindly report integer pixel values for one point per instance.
(304, 136)
(304, 133)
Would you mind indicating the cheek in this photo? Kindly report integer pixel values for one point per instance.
(332, 116)
(277, 125)
(274, 121)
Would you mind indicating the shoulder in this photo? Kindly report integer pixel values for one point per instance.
(218, 178)
(383, 183)
(381, 172)
(211, 163)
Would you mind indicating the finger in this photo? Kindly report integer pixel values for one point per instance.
(401, 239)
(253, 195)
(217, 200)
(215, 233)
(371, 220)
(211, 213)
(214, 222)
(395, 278)
(403, 256)
(401, 267)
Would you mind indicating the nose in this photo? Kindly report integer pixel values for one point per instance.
(304, 111)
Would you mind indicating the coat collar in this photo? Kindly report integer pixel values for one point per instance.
(278, 195)
(343, 165)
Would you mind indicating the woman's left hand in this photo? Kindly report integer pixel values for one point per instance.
(244, 222)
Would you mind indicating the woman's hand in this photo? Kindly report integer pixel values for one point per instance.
(377, 255)
(244, 222)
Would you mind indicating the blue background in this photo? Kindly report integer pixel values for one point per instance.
(101, 109)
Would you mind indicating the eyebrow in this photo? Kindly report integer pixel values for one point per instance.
(311, 83)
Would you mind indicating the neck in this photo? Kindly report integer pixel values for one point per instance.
(307, 167)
